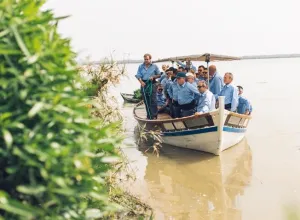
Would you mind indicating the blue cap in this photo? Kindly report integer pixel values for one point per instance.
(180, 74)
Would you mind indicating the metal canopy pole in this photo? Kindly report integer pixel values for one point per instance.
(207, 60)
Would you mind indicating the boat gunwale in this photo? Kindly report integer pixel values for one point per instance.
(159, 121)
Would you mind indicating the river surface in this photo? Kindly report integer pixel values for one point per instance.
(259, 179)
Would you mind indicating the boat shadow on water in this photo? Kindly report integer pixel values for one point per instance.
(189, 184)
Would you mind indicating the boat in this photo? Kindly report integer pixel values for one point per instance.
(212, 132)
(129, 98)
(185, 184)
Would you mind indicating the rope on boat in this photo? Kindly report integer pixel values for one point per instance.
(147, 90)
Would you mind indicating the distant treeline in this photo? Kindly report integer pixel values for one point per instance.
(242, 57)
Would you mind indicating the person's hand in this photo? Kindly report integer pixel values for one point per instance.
(198, 113)
(151, 78)
(143, 84)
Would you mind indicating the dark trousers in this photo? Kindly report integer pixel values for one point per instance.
(228, 106)
(150, 101)
(175, 110)
(187, 109)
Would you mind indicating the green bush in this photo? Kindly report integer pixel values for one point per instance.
(53, 155)
(137, 94)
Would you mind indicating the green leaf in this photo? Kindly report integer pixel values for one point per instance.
(35, 109)
(7, 138)
(31, 190)
(20, 41)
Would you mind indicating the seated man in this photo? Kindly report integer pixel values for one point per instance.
(161, 100)
(206, 100)
(230, 92)
(190, 78)
(244, 106)
(183, 96)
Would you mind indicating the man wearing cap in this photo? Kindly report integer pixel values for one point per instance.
(190, 78)
(244, 106)
(183, 96)
(147, 74)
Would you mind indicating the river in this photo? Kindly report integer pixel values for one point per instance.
(259, 179)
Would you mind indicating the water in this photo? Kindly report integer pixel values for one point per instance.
(257, 179)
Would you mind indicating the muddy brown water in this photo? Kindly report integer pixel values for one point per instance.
(259, 179)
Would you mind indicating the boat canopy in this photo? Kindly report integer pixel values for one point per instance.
(200, 57)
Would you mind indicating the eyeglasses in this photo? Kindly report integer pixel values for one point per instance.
(160, 89)
(200, 86)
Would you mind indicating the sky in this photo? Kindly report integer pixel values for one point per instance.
(165, 28)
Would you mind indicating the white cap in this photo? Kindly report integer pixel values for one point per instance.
(190, 74)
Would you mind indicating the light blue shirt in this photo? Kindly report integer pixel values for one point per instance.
(169, 88)
(184, 94)
(163, 76)
(161, 99)
(206, 102)
(184, 65)
(231, 96)
(194, 84)
(165, 81)
(244, 105)
(144, 73)
(216, 84)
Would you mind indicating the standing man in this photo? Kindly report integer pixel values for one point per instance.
(215, 81)
(147, 74)
(230, 92)
(188, 65)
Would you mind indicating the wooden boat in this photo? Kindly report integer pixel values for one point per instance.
(129, 98)
(212, 132)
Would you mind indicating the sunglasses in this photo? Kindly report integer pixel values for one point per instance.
(200, 86)
(160, 90)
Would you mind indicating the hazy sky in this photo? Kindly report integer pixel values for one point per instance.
(172, 28)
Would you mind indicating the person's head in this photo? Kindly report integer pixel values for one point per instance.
(188, 62)
(181, 78)
(228, 77)
(180, 69)
(160, 88)
(200, 69)
(240, 89)
(170, 71)
(212, 69)
(164, 67)
(205, 74)
(190, 77)
(202, 86)
(147, 58)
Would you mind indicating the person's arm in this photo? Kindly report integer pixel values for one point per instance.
(203, 107)
(181, 64)
(156, 73)
(170, 91)
(139, 76)
(235, 99)
(247, 107)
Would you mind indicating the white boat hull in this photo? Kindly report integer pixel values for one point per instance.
(212, 132)
(206, 139)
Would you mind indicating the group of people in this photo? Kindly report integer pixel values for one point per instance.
(183, 91)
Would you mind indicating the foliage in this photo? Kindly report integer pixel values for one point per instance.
(53, 155)
(137, 94)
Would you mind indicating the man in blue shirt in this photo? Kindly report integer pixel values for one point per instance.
(162, 103)
(183, 96)
(199, 74)
(215, 81)
(188, 65)
(147, 74)
(207, 101)
(244, 106)
(230, 92)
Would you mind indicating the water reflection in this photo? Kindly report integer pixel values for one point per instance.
(186, 184)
